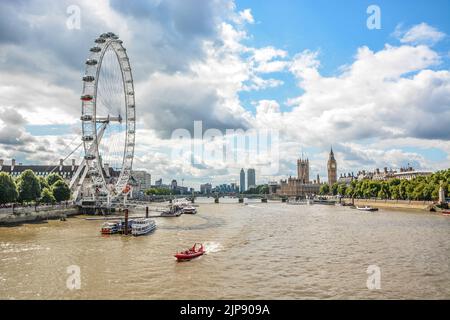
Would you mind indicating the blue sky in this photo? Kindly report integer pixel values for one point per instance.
(338, 28)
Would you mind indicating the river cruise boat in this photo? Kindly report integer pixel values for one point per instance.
(122, 225)
(110, 227)
(142, 226)
(367, 208)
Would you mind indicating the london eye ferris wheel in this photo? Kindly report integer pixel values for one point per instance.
(108, 120)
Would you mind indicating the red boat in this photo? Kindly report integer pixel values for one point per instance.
(446, 212)
(191, 253)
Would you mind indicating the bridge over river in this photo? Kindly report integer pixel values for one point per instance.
(217, 198)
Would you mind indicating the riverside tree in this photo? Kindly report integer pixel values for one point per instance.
(324, 189)
(61, 191)
(158, 191)
(53, 178)
(28, 186)
(334, 189)
(43, 182)
(8, 190)
(342, 189)
(260, 189)
(47, 196)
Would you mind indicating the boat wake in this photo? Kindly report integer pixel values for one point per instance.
(7, 247)
(212, 247)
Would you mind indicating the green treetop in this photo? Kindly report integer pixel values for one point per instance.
(8, 189)
(28, 186)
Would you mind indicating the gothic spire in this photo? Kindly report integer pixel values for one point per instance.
(331, 153)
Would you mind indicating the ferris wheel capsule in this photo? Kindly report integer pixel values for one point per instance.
(126, 189)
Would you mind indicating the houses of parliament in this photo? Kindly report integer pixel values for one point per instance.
(302, 186)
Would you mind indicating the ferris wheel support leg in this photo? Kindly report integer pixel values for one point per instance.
(84, 164)
(80, 183)
(77, 173)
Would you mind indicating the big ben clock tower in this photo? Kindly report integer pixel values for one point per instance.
(332, 169)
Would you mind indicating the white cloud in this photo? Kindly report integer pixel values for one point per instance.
(266, 54)
(246, 16)
(355, 103)
(420, 34)
(305, 65)
(38, 101)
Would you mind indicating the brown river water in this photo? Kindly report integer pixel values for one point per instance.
(255, 251)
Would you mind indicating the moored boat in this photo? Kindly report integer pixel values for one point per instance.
(110, 227)
(142, 226)
(324, 202)
(122, 225)
(367, 208)
(345, 204)
(191, 253)
(446, 212)
(300, 202)
(174, 211)
(189, 209)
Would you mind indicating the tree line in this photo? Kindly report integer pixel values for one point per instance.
(157, 191)
(28, 187)
(161, 191)
(423, 188)
(260, 189)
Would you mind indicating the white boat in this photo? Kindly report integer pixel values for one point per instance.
(189, 209)
(180, 202)
(300, 202)
(367, 208)
(142, 226)
(324, 202)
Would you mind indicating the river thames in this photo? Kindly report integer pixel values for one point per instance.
(254, 251)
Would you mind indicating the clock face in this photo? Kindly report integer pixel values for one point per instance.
(333, 166)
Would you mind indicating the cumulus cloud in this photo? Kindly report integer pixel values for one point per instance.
(420, 34)
(305, 65)
(172, 46)
(269, 59)
(189, 63)
(381, 94)
(245, 16)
